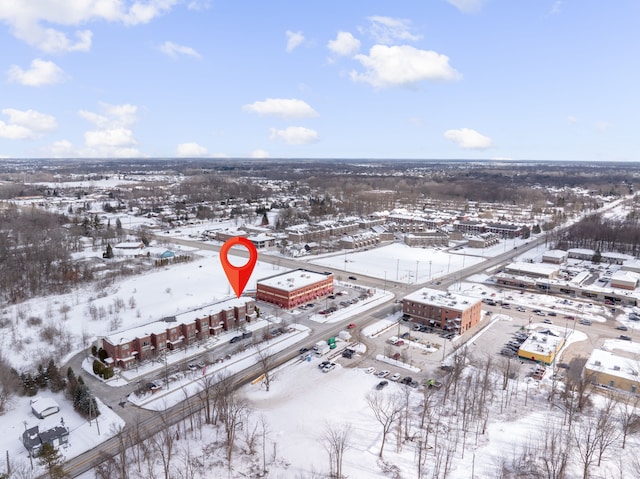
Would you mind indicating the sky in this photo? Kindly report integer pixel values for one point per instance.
(418, 79)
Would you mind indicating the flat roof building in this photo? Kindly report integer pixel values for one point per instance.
(541, 346)
(613, 371)
(294, 288)
(447, 311)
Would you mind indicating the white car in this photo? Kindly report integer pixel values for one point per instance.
(383, 374)
(395, 377)
(329, 367)
(370, 370)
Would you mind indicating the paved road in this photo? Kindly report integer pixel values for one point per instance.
(152, 422)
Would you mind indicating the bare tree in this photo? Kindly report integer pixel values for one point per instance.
(386, 410)
(335, 441)
(555, 447)
(585, 435)
(607, 432)
(234, 413)
(164, 443)
(628, 417)
(266, 361)
(206, 395)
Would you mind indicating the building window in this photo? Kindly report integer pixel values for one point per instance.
(611, 383)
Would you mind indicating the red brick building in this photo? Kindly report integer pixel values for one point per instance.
(139, 344)
(294, 288)
(447, 311)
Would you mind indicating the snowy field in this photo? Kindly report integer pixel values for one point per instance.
(401, 263)
(128, 303)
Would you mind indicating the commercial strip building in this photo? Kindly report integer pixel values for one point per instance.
(127, 347)
(541, 346)
(447, 311)
(294, 288)
(613, 371)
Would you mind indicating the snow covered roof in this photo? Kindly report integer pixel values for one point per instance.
(439, 298)
(43, 407)
(298, 278)
(606, 362)
(543, 342)
(555, 253)
(533, 268)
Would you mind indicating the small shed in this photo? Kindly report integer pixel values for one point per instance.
(43, 407)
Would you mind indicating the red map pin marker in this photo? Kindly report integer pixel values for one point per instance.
(238, 276)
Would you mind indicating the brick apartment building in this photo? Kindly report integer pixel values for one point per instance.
(447, 311)
(126, 348)
(294, 288)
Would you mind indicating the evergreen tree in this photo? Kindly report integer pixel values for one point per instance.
(109, 253)
(118, 224)
(56, 381)
(51, 459)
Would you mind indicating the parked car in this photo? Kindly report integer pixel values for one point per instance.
(323, 364)
(383, 374)
(351, 325)
(370, 370)
(624, 337)
(353, 278)
(329, 367)
(395, 377)
(235, 339)
(547, 321)
(622, 328)
(382, 385)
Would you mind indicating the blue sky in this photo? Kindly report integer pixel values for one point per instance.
(517, 79)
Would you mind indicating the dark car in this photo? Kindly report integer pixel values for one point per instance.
(353, 278)
(235, 339)
(622, 328)
(625, 337)
(382, 385)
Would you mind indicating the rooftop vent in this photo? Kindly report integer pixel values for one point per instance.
(616, 368)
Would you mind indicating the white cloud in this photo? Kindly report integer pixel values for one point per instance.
(345, 44)
(190, 150)
(602, 126)
(556, 8)
(112, 135)
(402, 65)
(467, 6)
(294, 39)
(469, 139)
(571, 120)
(26, 124)
(32, 21)
(61, 149)
(41, 72)
(388, 30)
(295, 135)
(281, 107)
(173, 50)
(109, 137)
(199, 5)
(259, 154)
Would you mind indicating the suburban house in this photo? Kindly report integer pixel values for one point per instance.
(33, 439)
